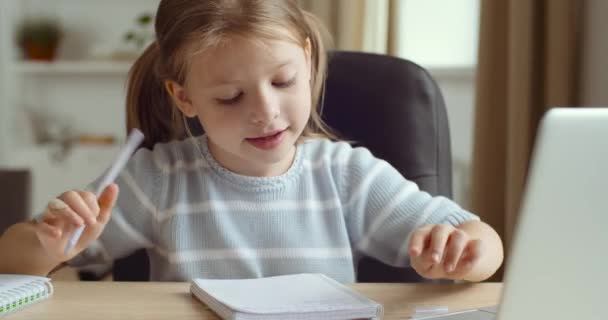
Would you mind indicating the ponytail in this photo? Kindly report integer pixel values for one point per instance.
(149, 106)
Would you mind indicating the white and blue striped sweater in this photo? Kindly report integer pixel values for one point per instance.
(199, 220)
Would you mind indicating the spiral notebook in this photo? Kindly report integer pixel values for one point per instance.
(298, 296)
(19, 291)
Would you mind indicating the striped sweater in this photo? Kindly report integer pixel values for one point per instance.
(198, 220)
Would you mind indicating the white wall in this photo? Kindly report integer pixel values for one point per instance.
(6, 56)
(443, 37)
(595, 56)
(458, 88)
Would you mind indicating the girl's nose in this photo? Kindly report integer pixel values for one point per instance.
(265, 109)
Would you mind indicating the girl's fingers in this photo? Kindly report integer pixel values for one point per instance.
(419, 244)
(72, 216)
(419, 241)
(472, 255)
(439, 238)
(58, 209)
(56, 225)
(107, 200)
(49, 217)
(456, 245)
(69, 211)
(56, 204)
(78, 205)
(91, 201)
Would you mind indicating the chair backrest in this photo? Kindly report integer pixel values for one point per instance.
(15, 194)
(394, 108)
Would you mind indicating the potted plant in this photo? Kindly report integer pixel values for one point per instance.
(136, 39)
(39, 38)
(142, 35)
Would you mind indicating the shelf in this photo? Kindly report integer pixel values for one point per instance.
(51, 155)
(74, 67)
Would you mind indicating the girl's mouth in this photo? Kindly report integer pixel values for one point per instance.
(269, 141)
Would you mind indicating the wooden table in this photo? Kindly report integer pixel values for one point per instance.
(170, 300)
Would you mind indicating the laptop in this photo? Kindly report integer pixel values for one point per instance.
(558, 266)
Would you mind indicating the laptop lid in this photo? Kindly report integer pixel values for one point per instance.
(559, 260)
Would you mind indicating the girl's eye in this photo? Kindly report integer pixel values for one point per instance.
(284, 84)
(230, 101)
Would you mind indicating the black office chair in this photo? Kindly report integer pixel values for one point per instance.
(15, 194)
(394, 108)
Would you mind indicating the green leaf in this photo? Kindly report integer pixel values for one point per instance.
(144, 19)
(130, 36)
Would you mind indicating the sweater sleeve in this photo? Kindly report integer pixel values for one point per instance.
(382, 208)
(132, 224)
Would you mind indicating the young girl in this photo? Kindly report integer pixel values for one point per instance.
(264, 192)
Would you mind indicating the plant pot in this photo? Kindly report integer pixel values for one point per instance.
(38, 51)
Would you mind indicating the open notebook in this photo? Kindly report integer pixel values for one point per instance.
(18, 291)
(298, 296)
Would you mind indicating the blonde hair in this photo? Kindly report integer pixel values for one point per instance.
(184, 27)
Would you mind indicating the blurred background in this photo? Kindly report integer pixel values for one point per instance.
(63, 118)
(499, 63)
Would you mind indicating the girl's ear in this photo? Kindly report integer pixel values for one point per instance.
(308, 53)
(180, 98)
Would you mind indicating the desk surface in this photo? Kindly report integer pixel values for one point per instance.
(162, 300)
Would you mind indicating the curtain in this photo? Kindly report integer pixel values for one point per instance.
(359, 25)
(528, 61)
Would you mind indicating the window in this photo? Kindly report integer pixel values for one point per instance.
(439, 33)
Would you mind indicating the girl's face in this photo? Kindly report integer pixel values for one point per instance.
(253, 100)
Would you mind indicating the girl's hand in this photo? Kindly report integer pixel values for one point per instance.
(67, 212)
(443, 251)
